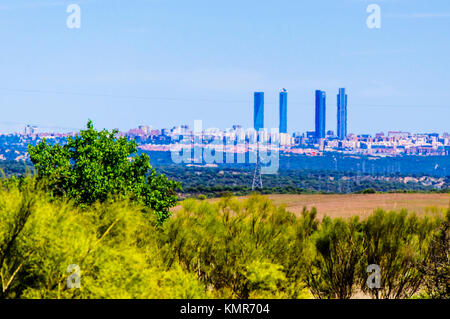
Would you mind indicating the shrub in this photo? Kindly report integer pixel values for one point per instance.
(226, 249)
(114, 244)
(335, 256)
(225, 243)
(436, 266)
(396, 242)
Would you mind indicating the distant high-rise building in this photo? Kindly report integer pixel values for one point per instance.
(258, 117)
(29, 130)
(320, 113)
(283, 111)
(145, 128)
(342, 114)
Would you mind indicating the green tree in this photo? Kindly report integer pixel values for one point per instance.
(96, 165)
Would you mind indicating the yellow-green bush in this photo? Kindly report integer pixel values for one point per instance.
(397, 242)
(241, 250)
(227, 249)
(114, 245)
(254, 249)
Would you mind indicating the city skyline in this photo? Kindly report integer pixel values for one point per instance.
(166, 64)
(320, 110)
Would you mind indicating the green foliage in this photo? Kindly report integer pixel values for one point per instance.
(335, 259)
(436, 266)
(224, 249)
(213, 182)
(368, 191)
(253, 249)
(95, 166)
(240, 250)
(264, 278)
(396, 242)
(114, 245)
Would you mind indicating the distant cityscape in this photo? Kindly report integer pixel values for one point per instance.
(240, 140)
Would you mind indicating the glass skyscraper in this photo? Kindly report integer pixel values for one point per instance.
(258, 117)
(342, 114)
(283, 111)
(320, 113)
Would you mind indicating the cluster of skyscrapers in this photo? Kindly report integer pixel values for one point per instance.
(320, 113)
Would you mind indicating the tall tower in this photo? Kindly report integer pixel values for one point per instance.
(283, 111)
(320, 113)
(258, 121)
(342, 114)
(257, 175)
(258, 117)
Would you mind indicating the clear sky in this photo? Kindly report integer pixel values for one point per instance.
(166, 63)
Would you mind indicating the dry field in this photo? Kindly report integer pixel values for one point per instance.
(360, 204)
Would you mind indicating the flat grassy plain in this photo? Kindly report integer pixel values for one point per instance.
(347, 205)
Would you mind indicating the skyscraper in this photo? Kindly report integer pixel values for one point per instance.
(283, 111)
(258, 117)
(342, 114)
(320, 113)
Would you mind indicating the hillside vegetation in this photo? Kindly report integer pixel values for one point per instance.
(227, 249)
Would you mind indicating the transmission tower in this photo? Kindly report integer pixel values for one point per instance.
(257, 178)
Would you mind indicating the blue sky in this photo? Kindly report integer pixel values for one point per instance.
(166, 63)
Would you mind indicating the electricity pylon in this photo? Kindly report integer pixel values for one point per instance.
(257, 176)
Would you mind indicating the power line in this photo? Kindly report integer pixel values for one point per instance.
(39, 125)
(305, 104)
(118, 96)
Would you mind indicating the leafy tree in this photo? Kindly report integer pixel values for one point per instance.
(97, 165)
